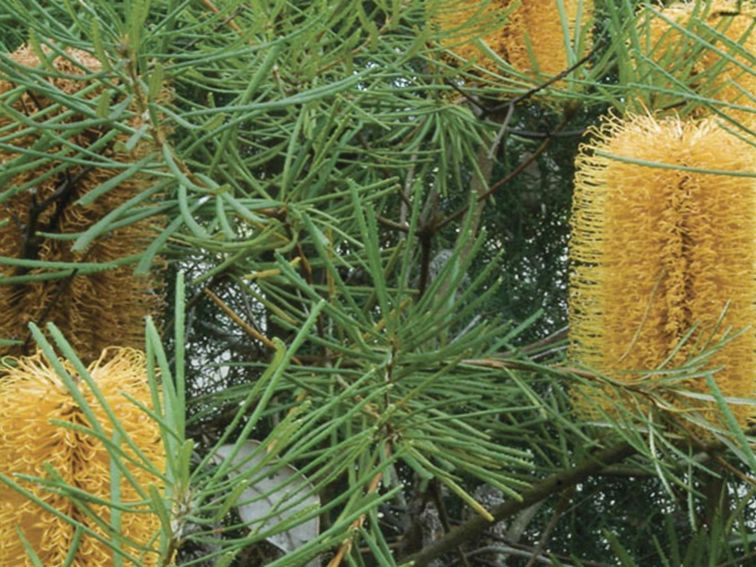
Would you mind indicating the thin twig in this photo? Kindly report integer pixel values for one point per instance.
(531, 134)
(426, 242)
(535, 90)
(506, 179)
(425, 237)
(514, 548)
(392, 224)
(508, 550)
(346, 546)
(466, 96)
(502, 132)
(230, 20)
(556, 336)
(443, 515)
(564, 500)
(743, 477)
(246, 327)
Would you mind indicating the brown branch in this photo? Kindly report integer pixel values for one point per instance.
(485, 110)
(480, 187)
(392, 224)
(246, 327)
(426, 242)
(556, 336)
(230, 20)
(425, 235)
(553, 484)
(472, 100)
(533, 135)
(506, 179)
(535, 90)
(743, 477)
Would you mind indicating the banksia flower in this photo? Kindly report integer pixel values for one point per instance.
(40, 212)
(529, 35)
(656, 251)
(30, 443)
(727, 26)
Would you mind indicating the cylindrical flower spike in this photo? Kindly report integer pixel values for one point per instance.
(40, 212)
(706, 45)
(538, 45)
(530, 35)
(659, 249)
(34, 397)
(465, 21)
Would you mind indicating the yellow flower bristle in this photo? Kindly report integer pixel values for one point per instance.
(656, 251)
(34, 396)
(528, 35)
(537, 44)
(721, 24)
(465, 21)
(93, 310)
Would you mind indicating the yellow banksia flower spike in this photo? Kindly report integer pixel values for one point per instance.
(721, 70)
(464, 21)
(33, 397)
(657, 250)
(529, 35)
(93, 310)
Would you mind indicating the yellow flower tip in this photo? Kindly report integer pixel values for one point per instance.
(35, 396)
(657, 250)
(672, 38)
(530, 36)
(92, 310)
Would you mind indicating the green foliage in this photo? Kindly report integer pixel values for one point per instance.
(348, 288)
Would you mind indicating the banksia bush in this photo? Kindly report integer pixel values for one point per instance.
(656, 251)
(528, 35)
(673, 37)
(41, 435)
(40, 213)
